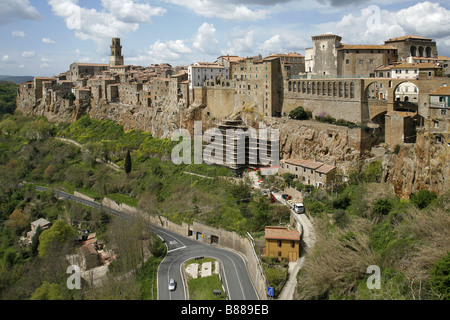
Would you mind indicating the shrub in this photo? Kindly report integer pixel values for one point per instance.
(440, 277)
(423, 199)
(299, 114)
(382, 207)
(341, 218)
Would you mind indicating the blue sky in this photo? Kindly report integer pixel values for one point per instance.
(43, 37)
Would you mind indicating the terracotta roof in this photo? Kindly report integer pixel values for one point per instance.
(281, 233)
(423, 65)
(231, 58)
(327, 35)
(403, 114)
(408, 37)
(289, 54)
(365, 47)
(442, 91)
(325, 169)
(91, 64)
(304, 163)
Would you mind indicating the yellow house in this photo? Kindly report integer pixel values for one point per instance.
(282, 243)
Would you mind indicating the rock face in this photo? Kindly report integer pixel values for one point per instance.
(423, 165)
(317, 141)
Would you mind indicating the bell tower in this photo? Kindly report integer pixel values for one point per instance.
(116, 58)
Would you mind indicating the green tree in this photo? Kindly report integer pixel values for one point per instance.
(35, 242)
(440, 277)
(299, 114)
(289, 178)
(127, 166)
(48, 291)
(59, 233)
(382, 207)
(423, 199)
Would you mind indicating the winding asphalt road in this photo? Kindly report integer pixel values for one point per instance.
(236, 282)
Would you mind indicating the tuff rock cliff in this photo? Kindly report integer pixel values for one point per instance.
(423, 165)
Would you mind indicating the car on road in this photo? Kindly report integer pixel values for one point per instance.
(299, 208)
(172, 285)
(286, 197)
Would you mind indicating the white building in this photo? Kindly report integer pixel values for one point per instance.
(202, 71)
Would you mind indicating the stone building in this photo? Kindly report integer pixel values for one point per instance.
(438, 118)
(312, 173)
(322, 58)
(330, 58)
(282, 243)
(116, 58)
(361, 60)
(292, 63)
(199, 72)
(413, 46)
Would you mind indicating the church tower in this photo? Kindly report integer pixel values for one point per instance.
(116, 58)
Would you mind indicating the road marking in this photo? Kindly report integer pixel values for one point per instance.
(176, 249)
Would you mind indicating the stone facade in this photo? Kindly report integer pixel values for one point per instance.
(161, 99)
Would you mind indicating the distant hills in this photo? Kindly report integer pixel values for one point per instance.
(16, 79)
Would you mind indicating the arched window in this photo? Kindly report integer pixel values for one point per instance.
(334, 89)
(352, 90)
(341, 90)
(346, 90)
(428, 52)
(329, 89)
(319, 88)
(324, 86)
(313, 88)
(413, 51)
(309, 88)
(420, 51)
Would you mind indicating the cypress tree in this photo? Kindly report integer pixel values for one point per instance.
(128, 163)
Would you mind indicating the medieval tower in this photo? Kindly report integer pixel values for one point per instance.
(116, 58)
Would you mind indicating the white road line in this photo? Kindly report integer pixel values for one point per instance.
(173, 250)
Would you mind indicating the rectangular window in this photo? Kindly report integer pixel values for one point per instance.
(279, 243)
(347, 61)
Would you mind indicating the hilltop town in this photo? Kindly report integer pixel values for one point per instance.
(363, 102)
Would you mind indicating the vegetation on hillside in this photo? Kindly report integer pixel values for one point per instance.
(364, 224)
(8, 95)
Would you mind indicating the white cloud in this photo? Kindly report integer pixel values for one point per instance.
(131, 12)
(426, 18)
(205, 40)
(47, 41)
(85, 60)
(224, 9)
(28, 54)
(241, 43)
(118, 18)
(44, 66)
(20, 9)
(43, 59)
(5, 58)
(20, 34)
(369, 27)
